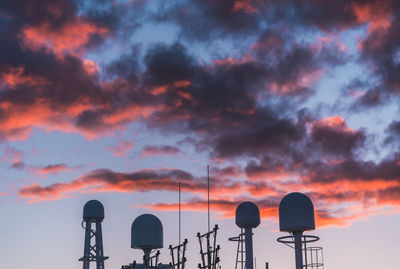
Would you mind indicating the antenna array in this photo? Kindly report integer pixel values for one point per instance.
(296, 215)
(209, 254)
(179, 253)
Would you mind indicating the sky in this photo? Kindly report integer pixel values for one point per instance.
(122, 100)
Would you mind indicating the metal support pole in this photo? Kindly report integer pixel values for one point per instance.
(146, 257)
(99, 247)
(298, 249)
(86, 252)
(249, 248)
(208, 252)
(208, 197)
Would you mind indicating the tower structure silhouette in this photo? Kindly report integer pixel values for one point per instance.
(93, 215)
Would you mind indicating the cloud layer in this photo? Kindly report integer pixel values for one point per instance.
(256, 105)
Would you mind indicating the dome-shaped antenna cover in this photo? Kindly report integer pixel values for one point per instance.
(147, 232)
(247, 215)
(93, 210)
(296, 213)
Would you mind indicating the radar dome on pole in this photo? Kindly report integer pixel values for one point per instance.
(247, 218)
(247, 215)
(93, 215)
(296, 213)
(147, 232)
(93, 210)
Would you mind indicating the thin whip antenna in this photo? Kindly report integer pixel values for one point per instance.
(208, 195)
(179, 184)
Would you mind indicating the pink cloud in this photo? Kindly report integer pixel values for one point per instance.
(163, 150)
(70, 38)
(12, 155)
(122, 148)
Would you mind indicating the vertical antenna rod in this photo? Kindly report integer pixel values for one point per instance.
(179, 242)
(208, 196)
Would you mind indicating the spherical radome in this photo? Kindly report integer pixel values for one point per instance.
(296, 213)
(93, 210)
(247, 215)
(147, 232)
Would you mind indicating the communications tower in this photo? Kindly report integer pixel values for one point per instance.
(93, 215)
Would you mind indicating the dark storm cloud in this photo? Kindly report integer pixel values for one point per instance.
(381, 49)
(168, 64)
(394, 128)
(267, 134)
(326, 15)
(352, 173)
(221, 98)
(365, 96)
(393, 133)
(220, 101)
(42, 74)
(58, 13)
(356, 170)
(204, 20)
(336, 138)
(208, 19)
(373, 97)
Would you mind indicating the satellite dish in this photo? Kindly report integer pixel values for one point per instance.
(93, 210)
(147, 232)
(247, 215)
(296, 213)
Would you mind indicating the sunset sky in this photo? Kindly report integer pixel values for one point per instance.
(121, 100)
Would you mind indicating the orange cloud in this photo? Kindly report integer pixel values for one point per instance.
(91, 67)
(334, 122)
(70, 38)
(247, 6)
(377, 15)
(302, 81)
(19, 120)
(45, 113)
(54, 168)
(15, 76)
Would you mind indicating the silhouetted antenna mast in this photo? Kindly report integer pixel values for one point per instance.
(210, 252)
(179, 186)
(208, 196)
(93, 215)
(178, 253)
